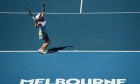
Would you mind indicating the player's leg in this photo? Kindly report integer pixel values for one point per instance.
(47, 42)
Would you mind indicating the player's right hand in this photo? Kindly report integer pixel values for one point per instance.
(35, 20)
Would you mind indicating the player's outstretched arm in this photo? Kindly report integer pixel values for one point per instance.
(43, 11)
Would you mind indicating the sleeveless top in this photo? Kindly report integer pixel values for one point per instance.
(42, 28)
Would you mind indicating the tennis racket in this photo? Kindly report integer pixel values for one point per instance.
(28, 11)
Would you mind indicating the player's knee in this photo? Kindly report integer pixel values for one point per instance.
(48, 42)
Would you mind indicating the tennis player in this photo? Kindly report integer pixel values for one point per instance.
(41, 24)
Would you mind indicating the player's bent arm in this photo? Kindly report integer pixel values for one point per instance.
(35, 20)
(43, 11)
(36, 25)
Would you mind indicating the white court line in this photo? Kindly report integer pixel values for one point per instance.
(96, 51)
(81, 6)
(19, 51)
(72, 51)
(88, 13)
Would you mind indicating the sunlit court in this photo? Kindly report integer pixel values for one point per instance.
(96, 39)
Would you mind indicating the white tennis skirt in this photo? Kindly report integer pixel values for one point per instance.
(42, 34)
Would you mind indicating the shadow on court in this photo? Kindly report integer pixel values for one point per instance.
(56, 49)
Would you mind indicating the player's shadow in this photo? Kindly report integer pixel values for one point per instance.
(56, 49)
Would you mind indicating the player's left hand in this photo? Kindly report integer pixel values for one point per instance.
(43, 4)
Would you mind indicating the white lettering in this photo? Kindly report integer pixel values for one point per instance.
(109, 82)
(47, 81)
(76, 81)
(83, 81)
(120, 81)
(27, 81)
(97, 81)
(60, 81)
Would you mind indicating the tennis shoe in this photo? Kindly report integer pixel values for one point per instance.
(43, 52)
(39, 50)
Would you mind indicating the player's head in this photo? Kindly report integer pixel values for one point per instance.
(38, 16)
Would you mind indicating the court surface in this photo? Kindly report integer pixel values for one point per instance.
(100, 25)
(103, 65)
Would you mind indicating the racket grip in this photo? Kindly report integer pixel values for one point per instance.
(33, 17)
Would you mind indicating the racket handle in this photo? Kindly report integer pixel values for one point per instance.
(33, 17)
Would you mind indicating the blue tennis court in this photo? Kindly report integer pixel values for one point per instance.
(83, 25)
(103, 65)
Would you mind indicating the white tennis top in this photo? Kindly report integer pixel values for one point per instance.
(42, 28)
